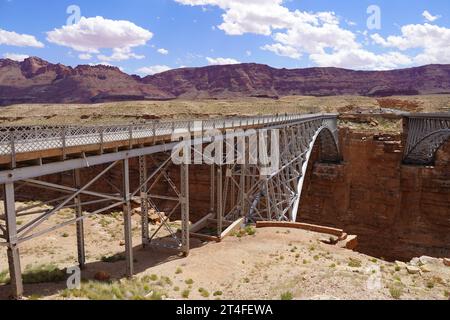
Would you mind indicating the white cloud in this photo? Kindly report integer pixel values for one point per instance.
(316, 34)
(90, 35)
(429, 17)
(151, 70)
(250, 16)
(221, 61)
(85, 56)
(11, 38)
(120, 54)
(163, 51)
(15, 56)
(323, 37)
(432, 40)
(282, 50)
(361, 59)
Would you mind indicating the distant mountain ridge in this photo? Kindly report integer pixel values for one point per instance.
(37, 81)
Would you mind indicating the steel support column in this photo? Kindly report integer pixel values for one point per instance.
(127, 219)
(212, 190)
(80, 222)
(144, 199)
(184, 190)
(242, 190)
(220, 204)
(15, 272)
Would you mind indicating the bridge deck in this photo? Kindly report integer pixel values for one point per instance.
(20, 144)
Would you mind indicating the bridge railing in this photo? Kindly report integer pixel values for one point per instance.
(23, 139)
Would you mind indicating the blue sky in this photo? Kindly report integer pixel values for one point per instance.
(147, 36)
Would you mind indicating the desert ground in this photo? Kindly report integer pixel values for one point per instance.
(268, 263)
(142, 111)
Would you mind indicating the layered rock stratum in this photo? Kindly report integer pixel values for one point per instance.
(37, 81)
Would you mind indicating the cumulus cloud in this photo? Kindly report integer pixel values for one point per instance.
(15, 56)
(316, 34)
(120, 54)
(432, 41)
(151, 70)
(221, 61)
(163, 51)
(90, 35)
(282, 50)
(361, 59)
(85, 56)
(429, 17)
(11, 38)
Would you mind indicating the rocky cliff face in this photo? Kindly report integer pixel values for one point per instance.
(263, 81)
(397, 211)
(37, 81)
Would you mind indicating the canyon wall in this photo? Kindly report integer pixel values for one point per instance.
(398, 211)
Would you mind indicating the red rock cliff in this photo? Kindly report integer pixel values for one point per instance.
(397, 211)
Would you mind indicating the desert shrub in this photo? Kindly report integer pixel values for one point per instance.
(43, 273)
(354, 263)
(134, 289)
(185, 294)
(203, 292)
(114, 258)
(396, 291)
(287, 296)
(4, 277)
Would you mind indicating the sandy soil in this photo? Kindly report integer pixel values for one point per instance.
(138, 111)
(266, 265)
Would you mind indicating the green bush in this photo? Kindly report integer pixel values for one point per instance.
(114, 258)
(43, 274)
(354, 263)
(185, 294)
(287, 296)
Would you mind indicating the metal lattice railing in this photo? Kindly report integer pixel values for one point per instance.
(16, 140)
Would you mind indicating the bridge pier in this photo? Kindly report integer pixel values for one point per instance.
(144, 199)
(80, 222)
(185, 227)
(127, 218)
(15, 271)
(220, 204)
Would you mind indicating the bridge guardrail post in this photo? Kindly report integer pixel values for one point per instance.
(13, 149)
(63, 142)
(102, 139)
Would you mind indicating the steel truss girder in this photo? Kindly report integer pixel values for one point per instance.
(425, 135)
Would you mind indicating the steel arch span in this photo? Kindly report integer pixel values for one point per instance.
(425, 135)
(276, 196)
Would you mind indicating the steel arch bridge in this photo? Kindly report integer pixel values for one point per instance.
(273, 194)
(249, 190)
(425, 134)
